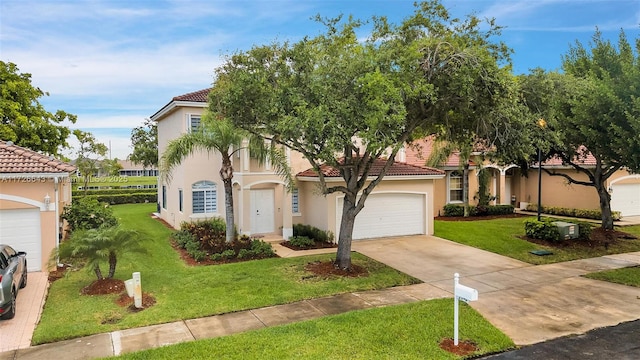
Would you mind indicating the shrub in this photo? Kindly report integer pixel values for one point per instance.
(301, 241)
(87, 213)
(312, 233)
(210, 233)
(584, 230)
(580, 213)
(480, 210)
(544, 229)
(182, 238)
(123, 198)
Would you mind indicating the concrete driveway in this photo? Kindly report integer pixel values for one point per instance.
(528, 303)
(17, 332)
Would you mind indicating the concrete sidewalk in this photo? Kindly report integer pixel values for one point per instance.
(529, 303)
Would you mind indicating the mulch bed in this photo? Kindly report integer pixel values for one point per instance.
(316, 245)
(599, 237)
(326, 269)
(465, 347)
(125, 301)
(58, 273)
(104, 287)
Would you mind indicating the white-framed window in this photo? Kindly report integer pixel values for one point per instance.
(193, 122)
(164, 197)
(295, 201)
(455, 186)
(204, 196)
(180, 201)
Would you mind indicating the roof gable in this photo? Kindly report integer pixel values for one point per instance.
(194, 99)
(196, 96)
(419, 151)
(18, 160)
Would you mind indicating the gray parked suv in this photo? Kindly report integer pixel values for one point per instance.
(13, 276)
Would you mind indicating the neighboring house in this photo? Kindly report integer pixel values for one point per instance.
(34, 189)
(508, 184)
(128, 168)
(402, 204)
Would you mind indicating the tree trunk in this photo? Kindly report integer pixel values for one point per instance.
(226, 173)
(343, 256)
(112, 264)
(96, 269)
(465, 188)
(605, 206)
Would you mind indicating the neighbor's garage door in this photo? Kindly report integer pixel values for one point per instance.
(389, 215)
(626, 199)
(20, 229)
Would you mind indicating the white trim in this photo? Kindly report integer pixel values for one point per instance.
(448, 189)
(633, 176)
(175, 104)
(248, 186)
(24, 200)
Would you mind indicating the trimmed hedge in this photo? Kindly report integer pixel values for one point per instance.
(578, 213)
(545, 229)
(313, 233)
(123, 198)
(480, 210)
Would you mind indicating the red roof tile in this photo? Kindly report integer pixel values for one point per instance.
(15, 159)
(420, 150)
(584, 160)
(397, 169)
(196, 96)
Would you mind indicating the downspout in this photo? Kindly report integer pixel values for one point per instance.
(57, 215)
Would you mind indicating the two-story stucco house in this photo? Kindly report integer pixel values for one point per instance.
(402, 204)
(34, 189)
(508, 185)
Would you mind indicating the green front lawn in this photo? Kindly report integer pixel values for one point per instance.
(626, 276)
(411, 331)
(114, 181)
(501, 236)
(184, 292)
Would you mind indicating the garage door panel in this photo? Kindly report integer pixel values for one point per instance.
(20, 229)
(626, 199)
(389, 215)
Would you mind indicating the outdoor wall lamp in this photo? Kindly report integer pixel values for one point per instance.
(47, 202)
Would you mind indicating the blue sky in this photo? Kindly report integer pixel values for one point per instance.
(114, 63)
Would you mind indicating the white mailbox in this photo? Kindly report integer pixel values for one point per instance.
(464, 293)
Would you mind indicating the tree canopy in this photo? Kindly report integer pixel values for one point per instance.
(591, 109)
(23, 120)
(345, 102)
(144, 140)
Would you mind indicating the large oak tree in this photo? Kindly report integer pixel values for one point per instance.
(346, 102)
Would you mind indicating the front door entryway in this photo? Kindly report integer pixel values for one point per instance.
(262, 205)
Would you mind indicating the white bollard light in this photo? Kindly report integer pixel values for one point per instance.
(137, 290)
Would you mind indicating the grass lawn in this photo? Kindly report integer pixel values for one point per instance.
(627, 276)
(501, 236)
(411, 331)
(184, 292)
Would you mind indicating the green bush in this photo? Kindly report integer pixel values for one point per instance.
(580, 213)
(183, 237)
(123, 198)
(544, 229)
(258, 250)
(88, 213)
(301, 241)
(313, 233)
(584, 230)
(210, 233)
(480, 210)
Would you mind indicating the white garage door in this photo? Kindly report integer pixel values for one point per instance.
(388, 215)
(20, 229)
(626, 199)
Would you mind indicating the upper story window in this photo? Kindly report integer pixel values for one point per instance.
(295, 201)
(455, 186)
(193, 122)
(204, 196)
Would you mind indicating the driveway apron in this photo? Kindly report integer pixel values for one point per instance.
(17, 332)
(528, 303)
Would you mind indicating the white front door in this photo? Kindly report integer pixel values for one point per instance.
(262, 204)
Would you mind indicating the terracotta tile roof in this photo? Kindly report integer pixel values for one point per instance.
(587, 160)
(196, 96)
(420, 150)
(15, 159)
(397, 169)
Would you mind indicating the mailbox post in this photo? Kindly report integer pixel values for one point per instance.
(464, 293)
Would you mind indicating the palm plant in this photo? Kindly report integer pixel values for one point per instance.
(96, 246)
(221, 136)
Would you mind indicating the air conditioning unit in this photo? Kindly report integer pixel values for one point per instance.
(567, 230)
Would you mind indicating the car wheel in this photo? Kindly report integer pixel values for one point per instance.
(11, 312)
(23, 282)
